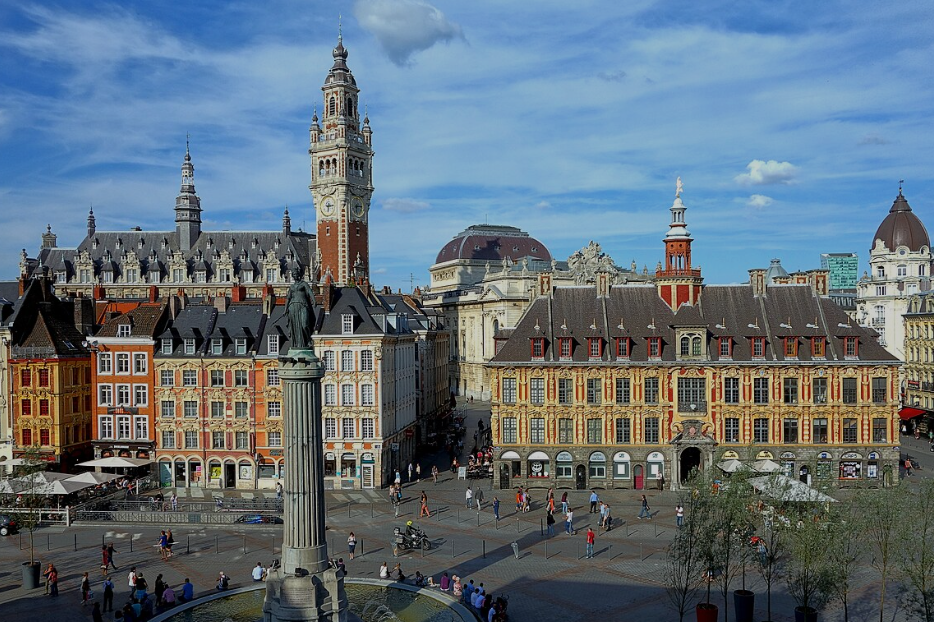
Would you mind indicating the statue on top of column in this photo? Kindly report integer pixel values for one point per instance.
(299, 309)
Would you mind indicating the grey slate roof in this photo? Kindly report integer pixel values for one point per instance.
(637, 312)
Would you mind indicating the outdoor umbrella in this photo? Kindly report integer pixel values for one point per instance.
(115, 462)
(784, 488)
(93, 478)
(766, 466)
(731, 466)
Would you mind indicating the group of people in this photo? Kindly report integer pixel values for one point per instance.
(166, 542)
(142, 605)
(598, 505)
(474, 597)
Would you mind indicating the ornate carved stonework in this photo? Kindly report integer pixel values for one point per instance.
(588, 261)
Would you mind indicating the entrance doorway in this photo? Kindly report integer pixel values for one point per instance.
(230, 475)
(581, 477)
(805, 475)
(690, 460)
(504, 476)
(638, 475)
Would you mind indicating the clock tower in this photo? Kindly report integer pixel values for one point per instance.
(341, 176)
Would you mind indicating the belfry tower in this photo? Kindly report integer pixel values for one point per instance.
(341, 177)
(678, 283)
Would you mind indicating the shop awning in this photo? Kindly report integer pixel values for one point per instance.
(910, 413)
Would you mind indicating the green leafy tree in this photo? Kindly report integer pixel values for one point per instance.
(916, 555)
(772, 528)
(881, 511)
(29, 486)
(847, 548)
(808, 571)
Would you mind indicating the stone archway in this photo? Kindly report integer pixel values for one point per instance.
(690, 459)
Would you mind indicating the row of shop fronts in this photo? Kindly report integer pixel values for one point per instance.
(638, 469)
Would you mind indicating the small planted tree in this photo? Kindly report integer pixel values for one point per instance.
(772, 529)
(916, 558)
(685, 560)
(728, 527)
(846, 548)
(809, 573)
(30, 499)
(881, 511)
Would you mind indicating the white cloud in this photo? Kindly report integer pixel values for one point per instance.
(405, 206)
(543, 205)
(762, 173)
(759, 201)
(404, 27)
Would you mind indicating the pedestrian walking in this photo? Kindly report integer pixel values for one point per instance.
(564, 502)
(398, 479)
(496, 507)
(591, 538)
(351, 544)
(594, 499)
(85, 589)
(569, 521)
(478, 497)
(469, 496)
(131, 581)
(607, 518)
(434, 473)
(108, 594)
(174, 501)
(519, 499)
(423, 510)
(418, 472)
(551, 502)
(278, 490)
(644, 512)
(105, 561)
(411, 469)
(550, 522)
(679, 514)
(110, 555)
(46, 574)
(908, 466)
(163, 545)
(53, 581)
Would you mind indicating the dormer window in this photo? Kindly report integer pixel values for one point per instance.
(726, 347)
(166, 346)
(347, 324)
(538, 348)
(850, 347)
(791, 347)
(124, 330)
(272, 344)
(818, 347)
(595, 348)
(655, 347)
(758, 347)
(622, 347)
(564, 348)
(217, 346)
(189, 346)
(241, 345)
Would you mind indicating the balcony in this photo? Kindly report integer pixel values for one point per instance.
(697, 406)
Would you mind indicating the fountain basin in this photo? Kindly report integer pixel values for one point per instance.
(407, 603)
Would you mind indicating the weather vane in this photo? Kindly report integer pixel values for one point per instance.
(679, 188)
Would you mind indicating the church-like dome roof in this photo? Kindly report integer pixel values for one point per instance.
(902, 228)
(492, 243)
(775, 270)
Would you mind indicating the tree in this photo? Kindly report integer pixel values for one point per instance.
(809, 573)
(916, 558)
(685, 559)
(846, 548)
(773, 530)
(881, 511)
(29, 486)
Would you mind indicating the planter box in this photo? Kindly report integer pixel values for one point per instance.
(31, 575)
(707, 613)
(744, 604)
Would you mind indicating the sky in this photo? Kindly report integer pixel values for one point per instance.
(789, 122)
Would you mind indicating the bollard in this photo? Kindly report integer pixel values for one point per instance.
(188, 545)
(21, 540)
(458, 516)
(515, 549)
(478, 519)
(348, 509)
(371, 510)
(423, 550)
(517, 525)
(48, 542)
(76, 542)
(483, 542)
(541, 527)
(656, 529)
(546, 549)
(131, 543)
(361, 547)
(244, 544)
(452, 548)
(217, 549)
(102, 539)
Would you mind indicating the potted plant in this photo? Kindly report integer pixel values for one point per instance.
(28, 487)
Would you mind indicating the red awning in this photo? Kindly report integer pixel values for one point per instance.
(910, 413)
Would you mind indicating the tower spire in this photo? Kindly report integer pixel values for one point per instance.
(92, 222)
(678, 283)
(187, 204)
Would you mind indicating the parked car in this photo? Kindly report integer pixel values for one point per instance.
(7, 525)
(259, 519)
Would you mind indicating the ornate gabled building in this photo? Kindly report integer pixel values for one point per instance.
(483, 280)
(900, 263)
(199, 264)
(919, 360)
(618, 386)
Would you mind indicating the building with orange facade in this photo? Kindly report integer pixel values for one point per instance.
(122, 381)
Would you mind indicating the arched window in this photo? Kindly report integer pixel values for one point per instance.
(350, 106)
(332, 106)
(696, 346)
(685, 346)
(495, 326)
(901, 270)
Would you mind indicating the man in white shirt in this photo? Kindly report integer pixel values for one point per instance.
(131, 581)
(469, 497)
(258, 571)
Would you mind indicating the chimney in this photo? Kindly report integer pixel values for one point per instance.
(238, 293)
(97, 292)
(153, 293)
(221, 303)
(327, 296)
(820, 281)
(84, 315)
(173, 307)
(269, 303)
(757, 281)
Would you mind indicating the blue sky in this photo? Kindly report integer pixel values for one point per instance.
(789, 122)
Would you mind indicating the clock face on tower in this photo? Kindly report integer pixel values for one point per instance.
(358, 208)
(327, 208)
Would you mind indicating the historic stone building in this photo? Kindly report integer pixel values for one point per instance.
(899, 266)
(482, 282)
(618, 386)
(200, 264)
(919, 359)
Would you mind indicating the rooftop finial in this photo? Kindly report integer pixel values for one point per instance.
(900, 182)
(679, 188)
(187, 146)
(340, 28)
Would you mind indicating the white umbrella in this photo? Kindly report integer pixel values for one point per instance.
(784, 488)
(93, 478)
(731, 466)
(766, 466)
(116, 462)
